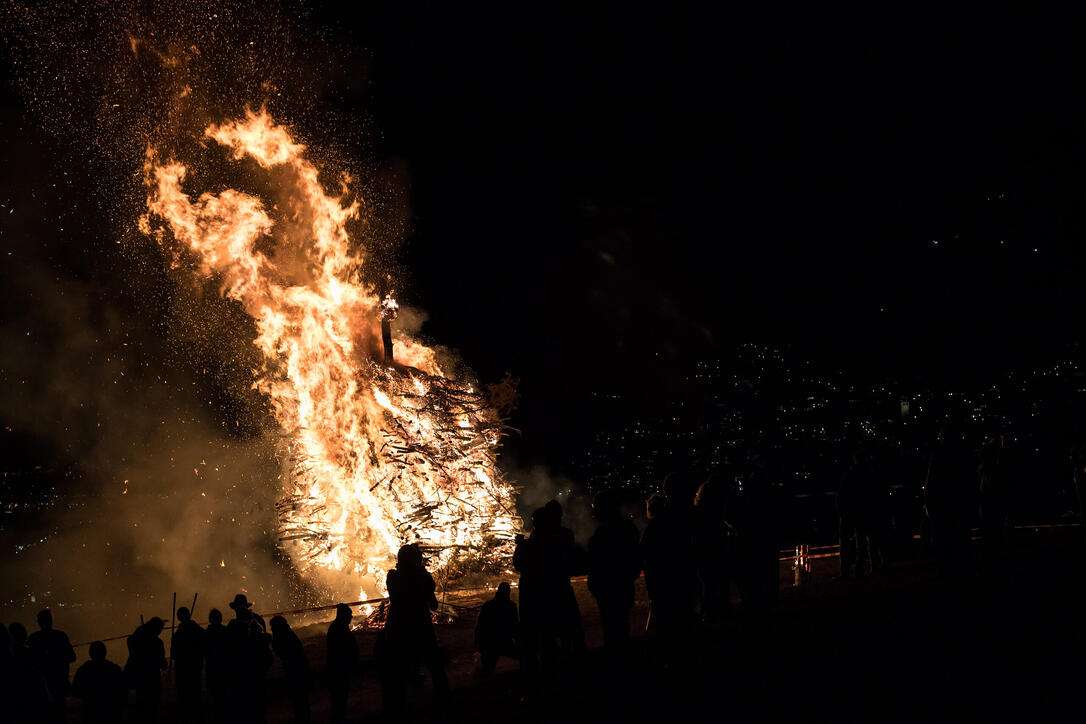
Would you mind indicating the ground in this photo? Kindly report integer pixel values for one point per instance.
(1003, 644)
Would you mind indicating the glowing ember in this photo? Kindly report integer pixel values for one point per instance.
(377, 454)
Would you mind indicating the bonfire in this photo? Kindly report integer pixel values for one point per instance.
(380, 448)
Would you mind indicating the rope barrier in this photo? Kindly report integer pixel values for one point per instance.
(329, 607)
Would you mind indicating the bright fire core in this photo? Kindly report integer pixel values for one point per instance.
(377, 453)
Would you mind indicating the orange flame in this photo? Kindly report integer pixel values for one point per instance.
(378, 455)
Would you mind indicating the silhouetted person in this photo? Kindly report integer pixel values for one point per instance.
(409, 636)
(496, 629)
(993, 498)
(100, 684)
(949, 496)
(261, 659)
(244, 616)
(667, 553)
(218, 664)
(251, 655)
(614, 563)
(146, 662)
(29, 700)
(54, 655)
(342, 659)
(853, 516)
(7, 669)
(562, 548)
(539, 625)
(187, 650)
(8, 685)
(755, 513)
(877, 514)
(712, 541)
(680, 489)
(289, 649)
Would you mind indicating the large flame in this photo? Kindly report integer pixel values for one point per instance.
(377, 454)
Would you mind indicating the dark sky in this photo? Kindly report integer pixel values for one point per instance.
(602, 196)
(645, 189)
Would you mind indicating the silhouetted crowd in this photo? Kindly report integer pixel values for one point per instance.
(725, 523)
(231, 661)
(703, 539)
(965, 488)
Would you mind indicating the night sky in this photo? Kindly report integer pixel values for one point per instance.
(644, 190)
(599, 198)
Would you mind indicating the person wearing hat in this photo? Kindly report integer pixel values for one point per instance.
(243, 611)
(251, 652)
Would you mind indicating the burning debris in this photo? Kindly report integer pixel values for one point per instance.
(377, 451)
(389, 311)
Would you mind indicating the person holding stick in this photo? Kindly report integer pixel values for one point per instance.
(187, 647)
(146, 662)
(251, 656)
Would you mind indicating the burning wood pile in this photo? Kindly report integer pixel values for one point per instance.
(440, 430)
(379, 449)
